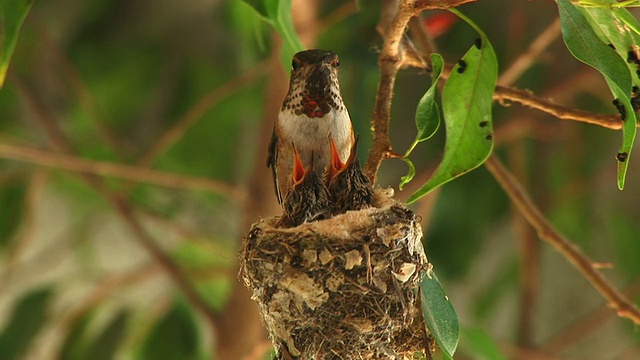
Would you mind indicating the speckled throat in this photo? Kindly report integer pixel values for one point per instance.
(313, 89)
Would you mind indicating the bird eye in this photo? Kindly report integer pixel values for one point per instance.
(294, 65)
(336, 63)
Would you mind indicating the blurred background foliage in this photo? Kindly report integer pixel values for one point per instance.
(192, 88)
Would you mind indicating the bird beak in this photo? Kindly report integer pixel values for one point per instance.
(336, 163)
(298, 167)
(354, 151)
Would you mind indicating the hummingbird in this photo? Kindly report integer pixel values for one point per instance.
(348, 186)
(311, 111)
(307, 199)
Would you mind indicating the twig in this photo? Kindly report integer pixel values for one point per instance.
(126, 172)
(529, 246)
(240, 315)
(105, 287)
(562, 112)
(505, 94)
(526, 59)
(25, 235)
(86, 98)
(584, 327)
(524, 204)
(389, 60)
(123, 209)
(196, 112)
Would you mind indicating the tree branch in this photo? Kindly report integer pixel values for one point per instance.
(390, 60)
(125, 172)
(195, 113)
(526, 98)
(546, 231)
(122, 208)
(528, 58)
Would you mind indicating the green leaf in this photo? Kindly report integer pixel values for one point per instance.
(612, 30)
(173, 337)
(260, 7)
(466, 105)
(75, 343)
(12, 197)
(438, 313)
(626, 17)
(105, 345)
(427, 113)
(12, 15)
(481, 345)
(585, 46)
(278, 14)
(26, 320)
(427, 116)
(412, 172)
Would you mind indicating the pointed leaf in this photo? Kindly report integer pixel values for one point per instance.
(284, 22)
(75, 344)
(466, 105)
(438, 313)
(427, 116)
(26, 320)
(173, 337)
(626, 17)
(613, 31)
(106, 344)
(12, 197)
(412, 172)
(427, 112)
(260, 7)
(585, 46)
(12, 15)
(278, 14)
(481, 345)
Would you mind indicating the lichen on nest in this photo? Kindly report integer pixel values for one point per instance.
(340, 288)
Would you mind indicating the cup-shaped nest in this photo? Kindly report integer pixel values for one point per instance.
(340, 288)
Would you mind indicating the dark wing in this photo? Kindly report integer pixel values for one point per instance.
(272, 162)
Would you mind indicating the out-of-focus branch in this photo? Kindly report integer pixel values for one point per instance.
(584, 327)
(126, 172)
(519, 197)
(529, 244)
(390, 60)
(61, 144)
(195, 113)
(526, 59)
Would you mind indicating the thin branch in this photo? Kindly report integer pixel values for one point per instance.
(504, 94)
(526, 59)
(390, 60)
(25, 235)
(584, 327)
(526, 98)
(195, 113)
(103, 289)
(529, 245)
(524, 204)
(86, 98)
(122, 208)
(125, 172)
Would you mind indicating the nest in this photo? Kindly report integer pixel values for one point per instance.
(341, 288)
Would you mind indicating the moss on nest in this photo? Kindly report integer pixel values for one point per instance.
(341, 288)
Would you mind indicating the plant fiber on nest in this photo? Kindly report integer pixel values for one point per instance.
(340, 288)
